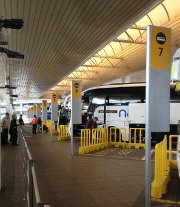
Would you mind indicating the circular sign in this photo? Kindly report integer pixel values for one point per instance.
(76, 85)
(160, 38)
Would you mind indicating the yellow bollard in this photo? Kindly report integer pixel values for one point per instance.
(161, 170)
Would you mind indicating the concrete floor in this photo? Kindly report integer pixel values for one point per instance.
(12, 193)
(72, 181)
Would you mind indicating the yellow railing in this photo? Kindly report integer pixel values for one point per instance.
(95, 139)
(48, 124)
(92, 140)
(99, 138)
(63, 132)
(51, 127)
(118, 137)
(136, 138)
(173, 162)
(161, 170)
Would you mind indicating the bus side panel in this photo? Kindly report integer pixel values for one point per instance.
(174, 113)
(137, 118)
(116, 116)
(137, 113)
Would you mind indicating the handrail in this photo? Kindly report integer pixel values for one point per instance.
(37, 195)
(30, 174)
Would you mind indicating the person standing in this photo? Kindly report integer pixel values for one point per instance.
(89, 123)
(21, 122)
(34, 124)
(95, 119)
(5, 128)
(13, 130)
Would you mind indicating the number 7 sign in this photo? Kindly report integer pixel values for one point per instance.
(160, 48)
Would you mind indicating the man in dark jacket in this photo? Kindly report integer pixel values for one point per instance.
(13, 130)
(5, 123)
(21, 122)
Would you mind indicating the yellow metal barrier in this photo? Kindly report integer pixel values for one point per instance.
(173, 163)
(135, 138)
(48, 124)
(63, 132)
(51, 127)
(85, 141)
(116, 137)
(92, 140)
(99, 139)
(162, 170)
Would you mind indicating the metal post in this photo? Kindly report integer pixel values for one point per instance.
(72, 139)
(30, 186)
(51, 132)
(0, 148)
(148, 132)
(105, 110)
(18, 137)
(157, 103)
(0, 158)
(42, 127)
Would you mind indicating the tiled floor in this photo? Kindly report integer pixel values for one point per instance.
(12, 193)
(72, 181)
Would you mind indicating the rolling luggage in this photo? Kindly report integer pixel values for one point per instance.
(4, 136)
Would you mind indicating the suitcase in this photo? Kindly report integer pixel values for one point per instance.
(4, 137)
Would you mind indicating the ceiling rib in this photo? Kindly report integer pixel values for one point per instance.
(137, 27)
(98, 66)
(88, 71)
(108, 57)
(130, 41)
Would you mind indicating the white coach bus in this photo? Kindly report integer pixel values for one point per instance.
(124, 106)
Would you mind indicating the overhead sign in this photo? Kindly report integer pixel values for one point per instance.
(44, 110)
(158, 77)
(38, 110)
(54, 107)
(54, 99)
(76, 116)
(160, 48)
(76, 89)
(44, 104)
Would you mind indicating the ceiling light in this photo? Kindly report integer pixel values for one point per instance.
(11, 54)
(11, 23)
(14, 96)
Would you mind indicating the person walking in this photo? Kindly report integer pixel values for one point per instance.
(5, 128)
(21, 122)
(13, 130)
(34, 124)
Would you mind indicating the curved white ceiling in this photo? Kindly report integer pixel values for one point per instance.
(126, 54)
(58, 36)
